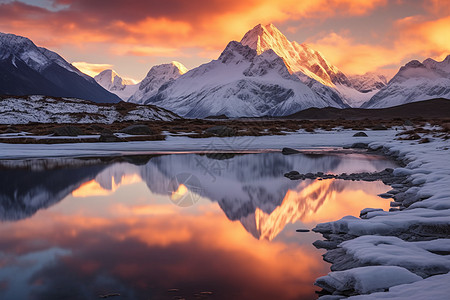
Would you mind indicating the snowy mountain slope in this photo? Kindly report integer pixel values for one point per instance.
(41, 109)
(239, 83)
(27, 69)
(368, 82)
(415, 81)
(156, 77)
(111, 81)
(309, 65)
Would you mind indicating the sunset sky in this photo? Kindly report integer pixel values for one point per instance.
(131, 36)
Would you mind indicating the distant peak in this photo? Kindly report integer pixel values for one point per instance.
(180, 67)
(414, 64)
(108, 72)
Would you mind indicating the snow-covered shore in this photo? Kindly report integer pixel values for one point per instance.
(414, 239)
(401, 254)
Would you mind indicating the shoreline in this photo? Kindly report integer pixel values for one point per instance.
(425, 236)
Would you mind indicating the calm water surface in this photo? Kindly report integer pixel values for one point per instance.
(174, 226)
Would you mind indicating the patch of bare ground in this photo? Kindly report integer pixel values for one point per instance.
(198, 128)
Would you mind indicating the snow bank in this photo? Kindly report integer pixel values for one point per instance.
(436, 287)
(415, 237)
(418, 257)
(366, 280)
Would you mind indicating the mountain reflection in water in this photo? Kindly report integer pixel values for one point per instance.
(87, 228)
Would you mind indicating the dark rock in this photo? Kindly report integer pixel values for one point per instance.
(288, 151)
(319, 244)
(412, 137)
(408, 123)
(309, 175)
(302, 230)
(109, 137)
(379, 127)
(385, 195)
(96, 128)
(106, 131)
(424, 141)
(137, 130)
(221, 131)
(360, 146)
(360, 134)
(219, 117)
(67, 131)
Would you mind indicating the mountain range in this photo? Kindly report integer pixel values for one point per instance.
(26, 69)
(415, 81)
(264, 74)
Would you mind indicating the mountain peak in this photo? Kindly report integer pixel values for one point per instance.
(110, 80)
(264, 37)
(180, 67)
(158, 76)
(300, 59)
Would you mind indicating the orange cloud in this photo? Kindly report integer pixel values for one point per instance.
(170, 23)
(91, 69)
(410, 38)
(426, 38)
(199, 29)
(437, 7)
(353, 57)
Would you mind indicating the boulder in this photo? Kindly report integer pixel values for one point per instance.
(379, 127)
(109, 137)
(288, 151)
(137, 130)
(360, 146)
(221, 131)
(360, 134)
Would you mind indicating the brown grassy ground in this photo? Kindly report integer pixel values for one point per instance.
(196, 128)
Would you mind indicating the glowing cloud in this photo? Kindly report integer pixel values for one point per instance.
(91, 69)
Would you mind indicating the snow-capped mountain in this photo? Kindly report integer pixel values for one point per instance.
(27, 69)
(368, 82)
(239, 83)
(415, 81)
(298, 58)
(111, 81)
(309, 65)
(156, 77)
